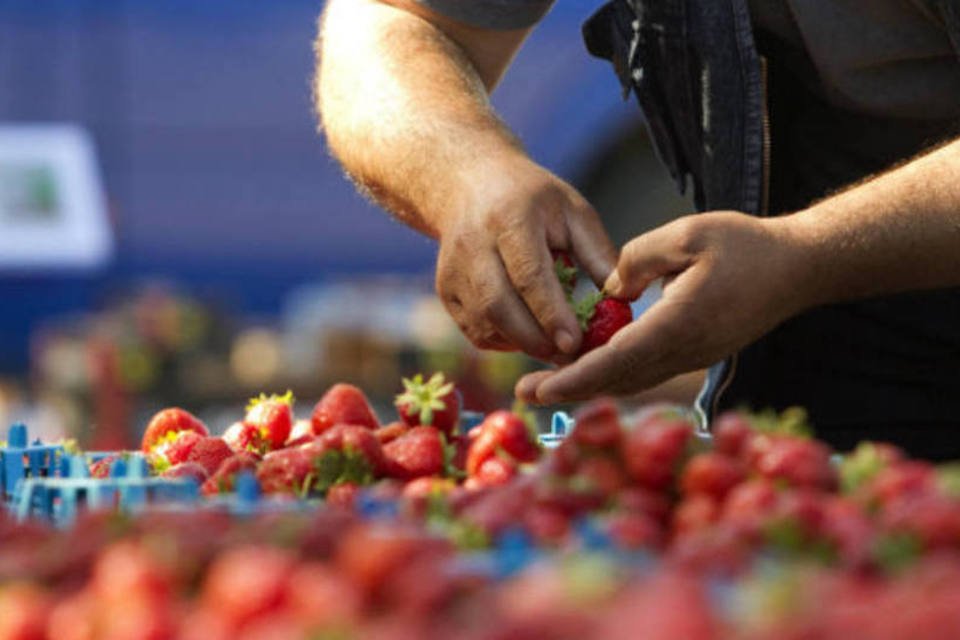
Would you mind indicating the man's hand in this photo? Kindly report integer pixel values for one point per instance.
(729, 278)
(495, 272)
(402, 91)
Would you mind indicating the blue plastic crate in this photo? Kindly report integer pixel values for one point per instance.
(129, 488)
(20, 459)
(561, 424)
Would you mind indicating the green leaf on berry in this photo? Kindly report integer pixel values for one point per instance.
(859, 467)
(897, 551)
(286, 398)
(792, 421)
(521, 410)
(948, 479)
(585, 307)
(424, 398)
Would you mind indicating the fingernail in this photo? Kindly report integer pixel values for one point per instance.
(565, 341)
(613, 286)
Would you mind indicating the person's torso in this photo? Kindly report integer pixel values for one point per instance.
(777, 109)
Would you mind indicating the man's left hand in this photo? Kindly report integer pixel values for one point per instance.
(728, 279)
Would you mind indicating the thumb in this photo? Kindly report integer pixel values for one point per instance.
(647, 257)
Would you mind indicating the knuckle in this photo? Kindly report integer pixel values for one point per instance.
(486, 306)
(527, 276)
(690, 234)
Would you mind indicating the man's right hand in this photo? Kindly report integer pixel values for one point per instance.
(495, 272)
(403, 95)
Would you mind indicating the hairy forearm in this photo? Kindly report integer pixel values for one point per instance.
(897, 232)
(405, 110)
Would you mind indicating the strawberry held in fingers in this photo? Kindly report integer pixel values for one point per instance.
(272, 416)
(434, 403)
(567, 272)
(601, 317)
(168, 422)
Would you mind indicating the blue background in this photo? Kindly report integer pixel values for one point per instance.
(215, 175)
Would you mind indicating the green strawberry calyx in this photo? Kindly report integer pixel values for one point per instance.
(424, 398)
(263, 398)
(529, 418)
(567, 275)
(860, 467)
(586, 307)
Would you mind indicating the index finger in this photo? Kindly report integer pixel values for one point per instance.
(530, 267)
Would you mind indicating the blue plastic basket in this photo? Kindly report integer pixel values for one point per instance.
(21, 459)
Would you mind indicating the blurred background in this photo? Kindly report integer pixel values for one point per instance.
(172, 231)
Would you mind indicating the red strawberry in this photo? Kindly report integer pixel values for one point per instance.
(634, 530)
(343, 404)
(323, 597)
(356, 441)
(272, 416)
(126, 569)
(641, 500)
(799, 462)
(909, 477)
(667, 606)
(419, 494)
(209, 453)
(368, 555)
(601, 317)
(496, 508)
(428, 486)
(654, 447)
(223, 481)
(696, 512)
(846, 526)
(246, 582)
(435, 402)
(167, 422)
(177, 451)
(244, 437)
(598, 425)
(300, 433)
(419, 452)
(933, 519)
(712, 474)
(546, 523)
(390, 432)
(343, 495)
(190, 470)
(603, 474)
(286, 471)
(749, 505)
(720, 549)
(494, 471)
(731, 431)
(482, 448)
(508, 432)
(24, 609)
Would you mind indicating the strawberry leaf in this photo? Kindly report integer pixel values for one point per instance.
(263, 398)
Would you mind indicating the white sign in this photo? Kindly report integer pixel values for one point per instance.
(53, 211)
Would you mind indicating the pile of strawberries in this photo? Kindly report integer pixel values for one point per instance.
(635, 526)
(342, 446)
